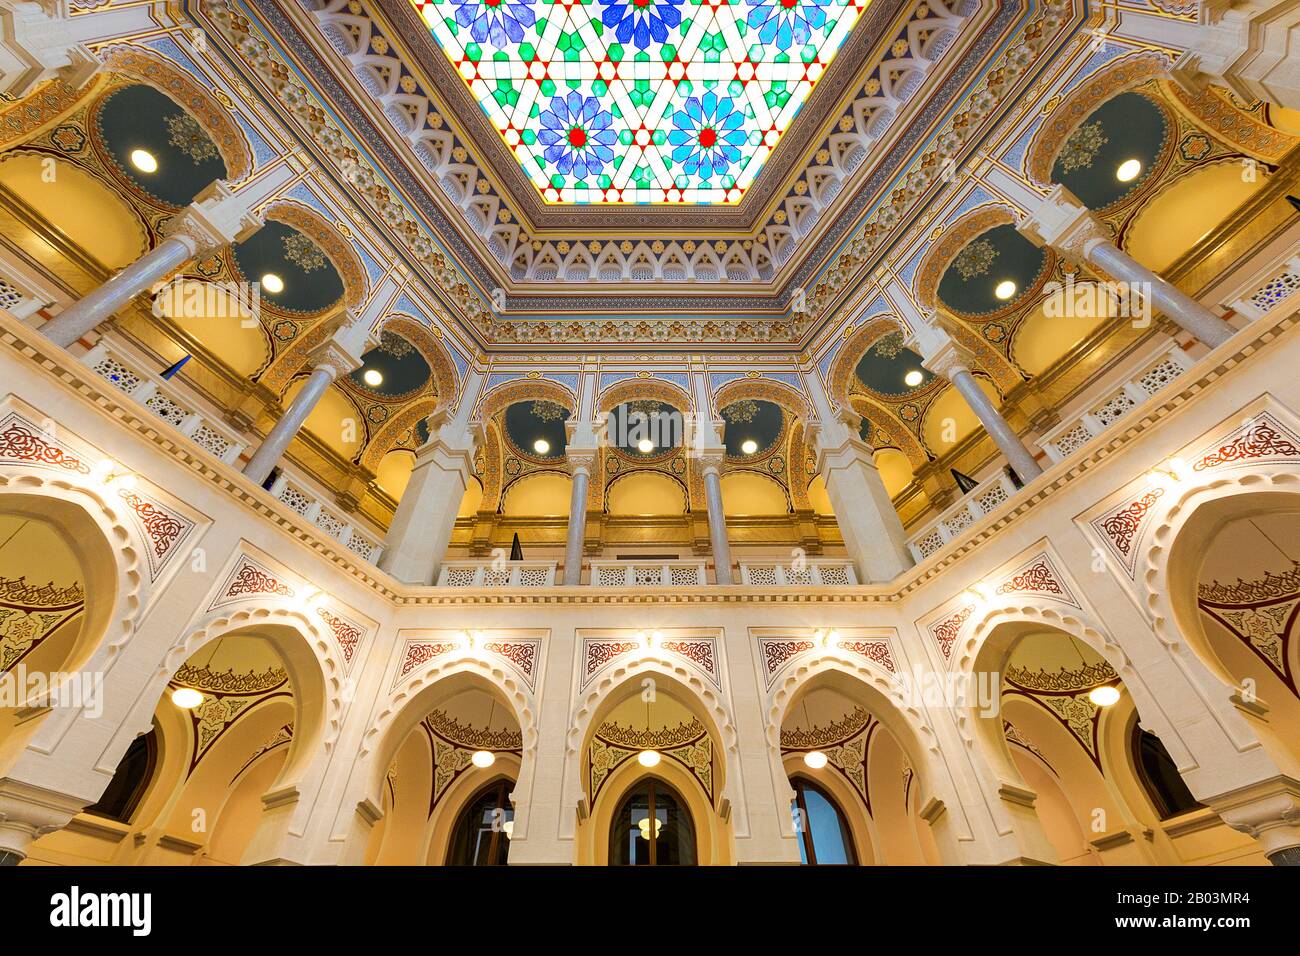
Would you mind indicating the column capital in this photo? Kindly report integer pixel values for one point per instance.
(1243, 45)
(28, 812)
(712, 458)
(217, 217)
(581, 458)
(939, 353)
(332, 355)
(1268, 811)
(1061, 221)
(36, 44)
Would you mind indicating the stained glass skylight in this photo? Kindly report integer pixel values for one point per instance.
(641, 101)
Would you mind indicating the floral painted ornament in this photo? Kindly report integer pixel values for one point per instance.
(708, 135)
(498, 22)
(641, 21)
(577, 135)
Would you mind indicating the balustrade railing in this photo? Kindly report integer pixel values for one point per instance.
(165, 401)
(298, 495)
(648, 574)
(1079, 429)
(810, 572)
(975, 504)
(497, 574)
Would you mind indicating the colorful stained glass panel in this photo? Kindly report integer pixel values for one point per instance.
(641, 101)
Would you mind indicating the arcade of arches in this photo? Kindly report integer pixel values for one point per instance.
(891, 461)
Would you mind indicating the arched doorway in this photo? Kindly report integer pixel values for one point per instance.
(653, 725)
(855, 792)
(482, 833)
(448, 791)
(652, 827)
(1103, 790)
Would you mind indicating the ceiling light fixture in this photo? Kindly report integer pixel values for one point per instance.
(913, 378)
(1104, 696)
(1005, 289)
(272, 283)
(648, 758)
(645, 446)
(749, 446)
(373, 377)
(644, 826)
(1128, 170)
(144, 161)
(483, 758)
(186, 698)
(541, 446)
(814, 760)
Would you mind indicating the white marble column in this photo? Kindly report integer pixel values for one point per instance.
(942, 356)
(711, 459)
(37, 44)
(421, 528)
(581, 461)
(1065, 224)
(216, 218)
(332, 361)
(872, 531)
(1252, 47)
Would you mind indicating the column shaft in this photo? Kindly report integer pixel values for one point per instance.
(1003, 435)
(103, 303)
(1181, 308)
(577, 527)
(873, 533)
(426, 516)
(717, 525)
(272, 449)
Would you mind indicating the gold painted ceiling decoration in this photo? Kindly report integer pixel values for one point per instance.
(688, 743)
(185, 133)
(1081, 148)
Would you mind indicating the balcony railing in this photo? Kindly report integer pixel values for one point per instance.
(18, 297)
(813, 572)
(299, 497)
(648, 574)
(168, 403)
(165, 401)
(1078, 430)
(1281, 284)
(497, 574)
(979, 501)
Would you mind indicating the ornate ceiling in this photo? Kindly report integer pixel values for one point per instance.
(905, 88)
(641, 101)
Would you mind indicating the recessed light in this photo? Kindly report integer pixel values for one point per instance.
(144, 161)
(645, 446)
(483, 758)
(814, 760)
(648, 758)
(749, 446)
(373, 377)
(1129, 170)
(1005, 289)
(272, 283)
(1104, 696)
(541, 446)
(186, 698)
(913, 378)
